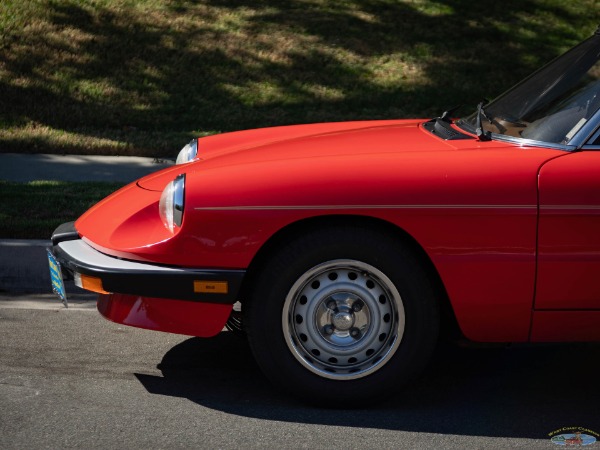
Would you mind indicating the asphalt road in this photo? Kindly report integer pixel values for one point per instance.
(69, 378)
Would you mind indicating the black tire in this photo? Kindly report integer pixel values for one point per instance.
(341, 317)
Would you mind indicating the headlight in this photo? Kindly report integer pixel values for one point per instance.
(188, 152)
(172, 202)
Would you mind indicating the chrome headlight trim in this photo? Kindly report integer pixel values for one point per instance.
(172, 203)
(178, 199)
(187, 153)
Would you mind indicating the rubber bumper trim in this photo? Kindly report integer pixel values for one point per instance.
(144, 279)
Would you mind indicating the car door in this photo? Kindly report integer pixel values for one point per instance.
(568, 275)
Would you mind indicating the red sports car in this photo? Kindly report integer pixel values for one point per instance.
(349, 245)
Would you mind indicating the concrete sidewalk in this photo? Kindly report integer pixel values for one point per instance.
(23, 167)
(23, 262)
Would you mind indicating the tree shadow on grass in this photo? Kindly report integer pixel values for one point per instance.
(227, 65)
(515, 392)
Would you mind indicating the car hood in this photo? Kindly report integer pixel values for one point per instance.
(296, 172)
(304, 141)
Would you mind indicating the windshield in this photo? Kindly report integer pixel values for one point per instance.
(552, 104)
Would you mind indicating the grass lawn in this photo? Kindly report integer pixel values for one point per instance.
(33, 210)
(143, 77)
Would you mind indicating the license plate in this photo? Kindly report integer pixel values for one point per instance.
(56, 278)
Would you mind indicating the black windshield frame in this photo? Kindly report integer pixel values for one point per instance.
(564, 92)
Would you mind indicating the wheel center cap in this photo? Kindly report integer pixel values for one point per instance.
(343, 321)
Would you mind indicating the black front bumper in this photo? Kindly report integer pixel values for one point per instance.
(144, 279)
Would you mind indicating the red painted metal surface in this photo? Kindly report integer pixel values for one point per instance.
(172, 316)
(569, 239)
(471, 205)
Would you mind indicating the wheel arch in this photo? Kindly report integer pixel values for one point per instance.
(449, 323)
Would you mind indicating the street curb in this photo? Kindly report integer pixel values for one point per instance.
(24, 269)
(48, 302)
(25, 242)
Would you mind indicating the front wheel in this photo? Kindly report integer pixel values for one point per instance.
(341, 317)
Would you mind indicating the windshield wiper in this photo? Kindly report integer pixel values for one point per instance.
(479, 131)
(447, 115)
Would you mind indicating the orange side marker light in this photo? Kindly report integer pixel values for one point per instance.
(211, 287)
(89, 283)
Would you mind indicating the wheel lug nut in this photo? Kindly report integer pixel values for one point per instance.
(357, 306)
(328, 329)
(331, 304)
(355, 333)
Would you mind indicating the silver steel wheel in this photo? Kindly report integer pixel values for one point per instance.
(343, 319)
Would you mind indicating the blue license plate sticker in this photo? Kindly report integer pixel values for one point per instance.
(58, 286)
